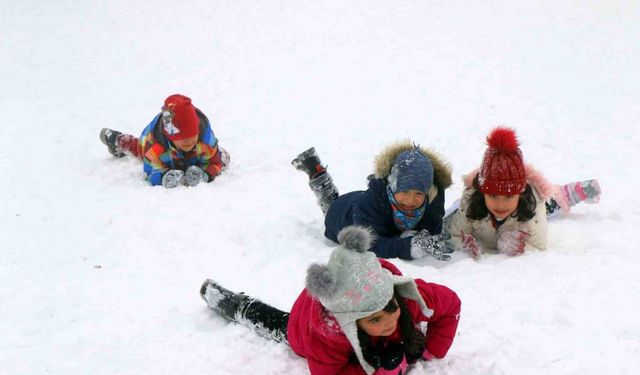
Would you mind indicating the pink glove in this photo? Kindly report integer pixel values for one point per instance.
(512, 242)
(427, 356)
(400, 369)
(470, 245)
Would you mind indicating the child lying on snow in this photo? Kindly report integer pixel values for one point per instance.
(403, 205)
(357, 314)
(505, 204)
(178, 146)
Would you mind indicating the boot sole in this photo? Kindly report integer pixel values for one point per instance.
(103, 139)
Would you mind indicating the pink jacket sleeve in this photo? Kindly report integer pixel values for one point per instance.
(442, 326)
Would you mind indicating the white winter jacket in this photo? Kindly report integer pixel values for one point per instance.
(483, 230)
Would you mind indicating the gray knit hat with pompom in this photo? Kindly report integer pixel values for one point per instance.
(354, 285)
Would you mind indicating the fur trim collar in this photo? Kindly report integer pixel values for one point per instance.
(384, 162)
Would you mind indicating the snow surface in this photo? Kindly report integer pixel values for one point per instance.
(100, 273)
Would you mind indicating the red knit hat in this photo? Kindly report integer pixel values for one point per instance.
(502, 170)
(179, 118)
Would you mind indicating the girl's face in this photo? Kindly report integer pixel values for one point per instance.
(381, 323)
(186, 144)
(501, 206)
(409, 200)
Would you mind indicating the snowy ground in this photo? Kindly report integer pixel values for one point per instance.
(99, 273)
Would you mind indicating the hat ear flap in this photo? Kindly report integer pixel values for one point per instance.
(357, 238)
(321, 282)
(407, 288)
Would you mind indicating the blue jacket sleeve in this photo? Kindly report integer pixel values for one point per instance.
(371, 212)
(155, 177)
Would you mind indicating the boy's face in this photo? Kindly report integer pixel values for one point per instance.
(409, 200)
(381, 323)
(501, 206)
(186, 144)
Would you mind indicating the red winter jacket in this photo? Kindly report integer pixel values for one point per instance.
(314, 334)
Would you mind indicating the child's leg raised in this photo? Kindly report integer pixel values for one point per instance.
(570, 194)
(320, 180)
(250, 312)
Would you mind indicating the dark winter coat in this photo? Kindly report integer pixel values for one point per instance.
(371, 208)
(314, 334)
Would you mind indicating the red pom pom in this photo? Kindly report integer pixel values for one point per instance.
(503, 139)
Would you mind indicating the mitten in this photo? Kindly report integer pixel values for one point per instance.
(194, 175)
(470, 245)
(427, 356)
(173, 178)
(512, 242)
(423, 244)
(393, 362)
(408, 233)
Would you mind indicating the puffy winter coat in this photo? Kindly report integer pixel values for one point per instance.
(485, 232)
(314, 334)
(159, 155)
(371, 208)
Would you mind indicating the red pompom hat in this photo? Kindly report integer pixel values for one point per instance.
(179, 118)
(502, 170)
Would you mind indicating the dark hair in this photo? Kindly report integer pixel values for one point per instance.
(477, 208)
(412, 339)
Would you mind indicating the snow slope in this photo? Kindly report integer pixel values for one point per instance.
(99, 273)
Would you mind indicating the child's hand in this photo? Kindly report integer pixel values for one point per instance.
(194, 175)
(470, 245)
(512, 242)
(423, 244)
(427, 356)
(173, 178)
(393, 362)
(408, 233)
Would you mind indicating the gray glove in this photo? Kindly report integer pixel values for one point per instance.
(173, 178)
(194, 175)
(409, 233)
(423, 244)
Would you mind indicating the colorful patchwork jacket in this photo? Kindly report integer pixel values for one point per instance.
(160, 155)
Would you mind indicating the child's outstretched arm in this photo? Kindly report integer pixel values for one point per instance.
(460, 225)
(210, 161)
(536, 229)
(153, 166)
(443, 325)
(210, 158)
(384, 246)
(370, 213)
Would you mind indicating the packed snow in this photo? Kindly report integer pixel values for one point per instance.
(100, 273)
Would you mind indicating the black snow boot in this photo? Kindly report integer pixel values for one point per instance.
(227, 303)
(309, 163)
(324, 189)
(109, 138)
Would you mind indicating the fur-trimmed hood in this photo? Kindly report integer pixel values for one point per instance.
(384, 162)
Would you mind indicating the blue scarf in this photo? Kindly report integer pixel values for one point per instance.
(405, 219)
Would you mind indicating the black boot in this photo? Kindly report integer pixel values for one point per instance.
(230, 305)
(324, 189)
(109, 138)
(309, 162)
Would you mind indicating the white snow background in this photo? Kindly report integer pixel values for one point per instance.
(100, 273)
